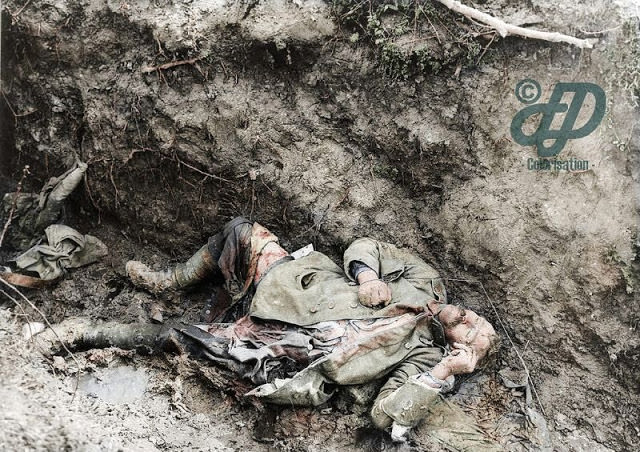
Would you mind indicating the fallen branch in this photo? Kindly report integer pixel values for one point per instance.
(505, 29)
(148, 69)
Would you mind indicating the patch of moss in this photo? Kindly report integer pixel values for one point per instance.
(630, 271)
(386, 171)
(410, 37)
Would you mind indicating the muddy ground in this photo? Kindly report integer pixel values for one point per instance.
(325, 122)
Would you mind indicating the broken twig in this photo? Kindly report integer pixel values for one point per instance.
(148, 69)
(506, 29)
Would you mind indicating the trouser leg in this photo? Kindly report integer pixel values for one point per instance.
(84, 334)
(228, 248)
(199, 266)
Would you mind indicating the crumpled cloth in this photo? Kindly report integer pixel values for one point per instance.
(33, 212)
(56, 191)
(65, 248)
(264, 350)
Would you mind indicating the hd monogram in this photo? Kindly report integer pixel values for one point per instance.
(528, 91)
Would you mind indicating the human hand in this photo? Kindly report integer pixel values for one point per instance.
(372, 291)
(462, 360)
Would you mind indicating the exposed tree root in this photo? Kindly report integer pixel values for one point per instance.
(146, 69)
(506, 29)
(25, 172)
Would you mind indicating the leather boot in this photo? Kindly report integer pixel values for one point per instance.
(200, 266)
(196, 269)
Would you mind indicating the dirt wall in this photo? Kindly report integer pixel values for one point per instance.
(189, 113)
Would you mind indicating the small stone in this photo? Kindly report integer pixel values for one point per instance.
(31, 329)
(59, 363)
(156, 313)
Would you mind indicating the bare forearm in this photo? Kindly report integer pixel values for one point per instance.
(367, 275)
(441, 371)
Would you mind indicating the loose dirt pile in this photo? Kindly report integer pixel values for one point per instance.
(325, 122)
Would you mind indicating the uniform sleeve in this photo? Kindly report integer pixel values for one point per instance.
(419, 274)
(357, 267)
(391, 263)
(364, 250)
(403, 398)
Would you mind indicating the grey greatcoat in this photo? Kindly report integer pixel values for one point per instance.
(395, 340)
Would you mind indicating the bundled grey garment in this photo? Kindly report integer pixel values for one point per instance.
(64, 248)
(31, 213)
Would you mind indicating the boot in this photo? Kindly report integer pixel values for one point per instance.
(196, 269)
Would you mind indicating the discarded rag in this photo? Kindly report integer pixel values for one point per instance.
(64, 248)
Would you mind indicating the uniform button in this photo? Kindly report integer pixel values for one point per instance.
(408, 345)
(354, 305)
(313, 310)
(332, 305)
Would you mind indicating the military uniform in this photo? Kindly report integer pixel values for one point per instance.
(399, 341)
(307, 311)
(393, 339)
